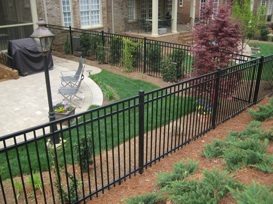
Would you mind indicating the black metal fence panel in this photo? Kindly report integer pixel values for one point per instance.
(102, 147)
(132, 53)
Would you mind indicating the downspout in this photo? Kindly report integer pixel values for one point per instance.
(113, 22)
(45, 10)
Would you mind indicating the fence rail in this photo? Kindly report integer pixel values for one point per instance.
(141, 54)
(107, 145)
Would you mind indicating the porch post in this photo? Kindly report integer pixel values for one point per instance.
(174, 16)
(192, 11)
(155, 18)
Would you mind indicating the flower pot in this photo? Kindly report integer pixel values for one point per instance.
(66, 114)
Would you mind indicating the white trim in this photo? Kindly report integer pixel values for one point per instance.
(89, 11)
(71, 12)
(16, 25)
(34, 15)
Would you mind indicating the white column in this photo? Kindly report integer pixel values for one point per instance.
(155, 18)
(192, 11)
(174, 16)
(34, 14)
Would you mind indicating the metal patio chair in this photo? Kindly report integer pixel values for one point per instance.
(70, 93)
(72, 80)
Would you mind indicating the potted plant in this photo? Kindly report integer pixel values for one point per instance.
(204, 109)
(62, 110)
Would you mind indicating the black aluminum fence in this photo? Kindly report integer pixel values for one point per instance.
(105, 146)
(141, 54)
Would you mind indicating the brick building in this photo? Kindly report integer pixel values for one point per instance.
(109, 15)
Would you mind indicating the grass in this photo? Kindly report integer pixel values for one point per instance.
(265, 49)
(119, 85)
(101, 129)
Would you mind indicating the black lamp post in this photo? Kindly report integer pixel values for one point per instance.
(43, 39)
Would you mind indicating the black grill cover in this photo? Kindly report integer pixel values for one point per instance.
(26, 58)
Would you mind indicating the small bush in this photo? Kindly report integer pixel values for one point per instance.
(85, 148)
(67, 46)
(254, 193)
(211, 189)
(85, 44)
(154, 56)
(181, 171)
(169, 70)
(150, 198)
(216, 149)
(264, 112)
(263, 33)
(115, 50)
(177, 56)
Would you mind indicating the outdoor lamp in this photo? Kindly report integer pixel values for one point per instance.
(43, 39)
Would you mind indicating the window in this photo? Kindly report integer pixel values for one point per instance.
(147, 8)
(66, 6)
(263, 3)
(90, 13)
(131, 10)
(180, 3)
(215, 7)
(202, 7)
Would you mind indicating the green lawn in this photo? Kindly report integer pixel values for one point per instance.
(102, 128)
(265, 48)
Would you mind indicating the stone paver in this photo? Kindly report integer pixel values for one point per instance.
(24, 101)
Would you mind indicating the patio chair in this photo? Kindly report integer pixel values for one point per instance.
(71, 80)
(70, 93)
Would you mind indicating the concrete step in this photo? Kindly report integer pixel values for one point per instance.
(186, 37)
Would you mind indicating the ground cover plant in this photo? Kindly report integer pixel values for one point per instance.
(239, 150)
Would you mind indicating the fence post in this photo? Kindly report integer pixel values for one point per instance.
(71, 41)
(145, 55)
(141, 132)
(258, 80)
(102, 37)
(215, 98)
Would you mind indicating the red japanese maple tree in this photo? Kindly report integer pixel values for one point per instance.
(216, 37)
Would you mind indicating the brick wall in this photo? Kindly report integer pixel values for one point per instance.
(54, 13)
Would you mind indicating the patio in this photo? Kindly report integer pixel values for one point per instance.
(24, 101)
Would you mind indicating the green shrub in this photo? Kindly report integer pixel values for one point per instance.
(154, 56)
(169, 70)
(253, 130)
(264, 112)
(254, 193)
(130, 54)
(85, 44)
(177, 56)
(216, 149)
(85, 148)
(263, 33)
(67, 46)
(101, 54)
(181, 171)
(115, 50)
(96, 42)
(211, 189)
(150, 198)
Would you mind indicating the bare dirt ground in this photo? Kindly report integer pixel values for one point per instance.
(141, 184)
